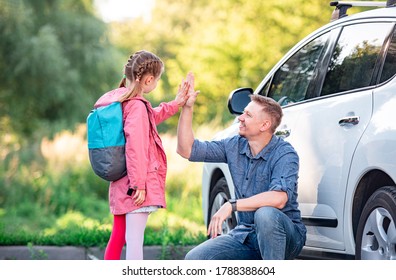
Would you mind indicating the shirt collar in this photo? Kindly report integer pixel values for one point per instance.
(264, 153)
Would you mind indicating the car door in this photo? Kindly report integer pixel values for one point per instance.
(326, 134)
(325, 126)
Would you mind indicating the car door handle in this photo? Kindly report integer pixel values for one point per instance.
(353, 120)
(283, 133)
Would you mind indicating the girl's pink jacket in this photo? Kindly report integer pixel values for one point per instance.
(145, 155)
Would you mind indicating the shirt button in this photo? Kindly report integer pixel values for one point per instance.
(247, 178)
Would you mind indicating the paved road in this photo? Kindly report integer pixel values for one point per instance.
(80, 253)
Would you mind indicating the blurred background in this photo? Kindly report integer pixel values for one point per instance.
(57, 57)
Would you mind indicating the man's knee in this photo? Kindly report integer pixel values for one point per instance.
(265, 216)
(266, 213)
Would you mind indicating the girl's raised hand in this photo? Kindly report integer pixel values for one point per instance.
(181, 96)
(192, 93)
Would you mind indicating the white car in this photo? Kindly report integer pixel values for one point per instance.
(337, 88)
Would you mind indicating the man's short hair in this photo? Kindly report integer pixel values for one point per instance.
(271, 107)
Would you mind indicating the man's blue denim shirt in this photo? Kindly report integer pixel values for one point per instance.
(275, 168)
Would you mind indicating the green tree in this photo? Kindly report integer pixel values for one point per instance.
(227, 44)
(55, 60)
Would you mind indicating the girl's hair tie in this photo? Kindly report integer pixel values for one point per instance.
(124, 76)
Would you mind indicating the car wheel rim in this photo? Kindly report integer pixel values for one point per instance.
(218, 201)
(379, 236)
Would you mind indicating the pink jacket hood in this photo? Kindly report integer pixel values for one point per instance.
(110, 97)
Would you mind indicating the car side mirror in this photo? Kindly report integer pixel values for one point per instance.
(238, 100)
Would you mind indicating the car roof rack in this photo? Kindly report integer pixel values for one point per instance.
(341, 7)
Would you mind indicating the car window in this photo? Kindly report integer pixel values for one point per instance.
(354, 58)
(292, 80)
(389, 69)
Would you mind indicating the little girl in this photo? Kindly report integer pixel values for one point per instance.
(142, 191)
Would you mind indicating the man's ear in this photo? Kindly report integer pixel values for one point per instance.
(265, 125)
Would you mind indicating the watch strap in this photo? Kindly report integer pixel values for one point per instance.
(233, 204)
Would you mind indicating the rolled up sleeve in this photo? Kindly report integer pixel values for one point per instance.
(208, 151)
(285, 175)
(198, 151)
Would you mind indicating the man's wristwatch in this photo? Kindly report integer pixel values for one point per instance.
(233, 203)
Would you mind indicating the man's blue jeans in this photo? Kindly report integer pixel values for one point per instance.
(275, 238)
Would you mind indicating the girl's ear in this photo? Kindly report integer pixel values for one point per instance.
(148, 80)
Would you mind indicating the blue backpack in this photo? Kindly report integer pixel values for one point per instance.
(106, 141)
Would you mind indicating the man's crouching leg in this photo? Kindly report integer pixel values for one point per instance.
(275, 233)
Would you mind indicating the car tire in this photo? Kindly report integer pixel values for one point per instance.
(219, 195)
(376, 233)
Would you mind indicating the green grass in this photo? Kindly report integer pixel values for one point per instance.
(50, 196)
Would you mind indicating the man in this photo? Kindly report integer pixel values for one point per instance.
(264, 169)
